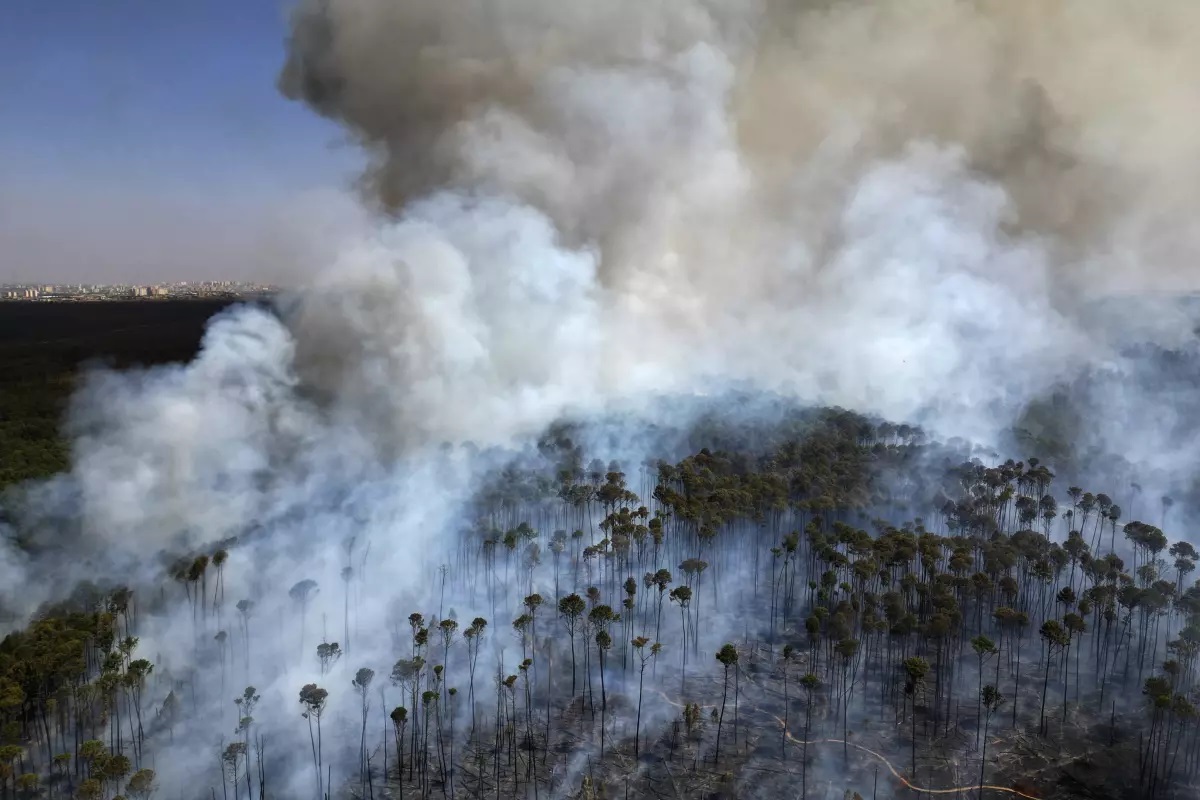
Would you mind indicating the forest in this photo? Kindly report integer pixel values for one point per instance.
(769, 601)
(42, 345)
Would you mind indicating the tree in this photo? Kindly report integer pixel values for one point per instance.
(448, 627)
(91, 789)
(600, 618)
(170, 713)
(984, 648)
(682, 596)
(141, 784)
(847, 649)
(661, 579)
(246, 704)
(915, 669)
(93, 753)
(429, 700)
(198, 573)
(399, 718)
(116, 769)
(7, 772)
(521, 627)
(639, 644)
(603, 644)
(245, 610)
(1056, 638)
(362, 684)
(571, 609)
(474, 636)
(728, 656)
(232, 759)
(135, 678)
(406, 675)
(1075, 628)
(328, 654)
(991, 701)
(1014, 622)
(532, 603)
(218, 561)
(313, 699)
(28, 783)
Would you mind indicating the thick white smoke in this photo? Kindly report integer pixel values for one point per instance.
(896, 208)
(899, 208)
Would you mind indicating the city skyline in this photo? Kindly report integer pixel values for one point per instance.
(133, 291)
(147, 142)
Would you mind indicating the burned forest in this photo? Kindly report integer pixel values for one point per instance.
(678, 399)
(820, 604)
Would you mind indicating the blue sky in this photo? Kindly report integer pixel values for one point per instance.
(140, 137)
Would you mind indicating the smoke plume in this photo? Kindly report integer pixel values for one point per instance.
(892, 207)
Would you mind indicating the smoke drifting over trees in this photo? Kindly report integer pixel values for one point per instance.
(619, 214)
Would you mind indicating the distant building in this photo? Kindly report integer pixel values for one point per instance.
(182, 289)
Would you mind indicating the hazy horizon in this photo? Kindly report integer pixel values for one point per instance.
(146, 142)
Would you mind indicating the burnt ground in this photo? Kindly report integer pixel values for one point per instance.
(1089, 757)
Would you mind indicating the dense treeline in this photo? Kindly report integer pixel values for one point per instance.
(737, 620)
(42, 346)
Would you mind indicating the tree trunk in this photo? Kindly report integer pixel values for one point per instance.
(637, 729)
(1045, 686)
(721, 719)
(983, 760)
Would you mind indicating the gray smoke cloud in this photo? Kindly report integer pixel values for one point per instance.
(902, 208)
(893, 207)
(601, 116)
